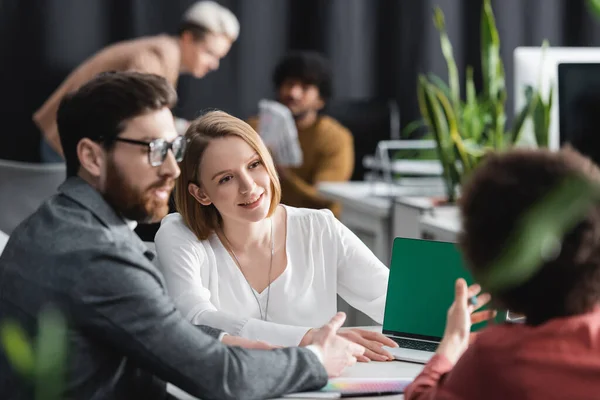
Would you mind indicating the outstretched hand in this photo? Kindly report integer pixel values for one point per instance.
(460, 318)
(373, 343)
(338, 353)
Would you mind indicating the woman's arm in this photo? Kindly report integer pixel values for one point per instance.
(181, 258)
(362, 277)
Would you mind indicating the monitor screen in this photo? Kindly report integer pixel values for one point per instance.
(579, 107)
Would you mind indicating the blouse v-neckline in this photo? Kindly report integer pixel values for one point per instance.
(231, 261)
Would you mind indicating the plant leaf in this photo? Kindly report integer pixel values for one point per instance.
(412, 127)
(542, 132)
(490, 52)
(17, 348)
(435, 119)
(439, 82)
(594, 7)
(539, 121)
(474, 149)
(458, 145)
(447, 51)
(521, 117)
(472, 126)
(51, 355)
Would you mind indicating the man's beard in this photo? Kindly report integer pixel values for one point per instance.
(297, 114)
(134, 204)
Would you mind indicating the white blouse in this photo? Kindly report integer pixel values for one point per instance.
(324, 258)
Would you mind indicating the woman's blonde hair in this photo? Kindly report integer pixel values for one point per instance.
(204, 220)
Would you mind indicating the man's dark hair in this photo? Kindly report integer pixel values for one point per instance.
(100, 109)
(308, 67)
(493, 201)
(198, 32)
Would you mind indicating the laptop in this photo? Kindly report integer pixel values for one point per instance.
(420, 291)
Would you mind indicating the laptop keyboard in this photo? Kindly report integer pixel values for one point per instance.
(415, 344)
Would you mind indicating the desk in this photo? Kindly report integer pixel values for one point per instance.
(390, 369)
(407, 213)
(441, 223)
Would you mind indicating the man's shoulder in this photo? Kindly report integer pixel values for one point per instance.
(56, 248)
(61, 224)
(163, 45)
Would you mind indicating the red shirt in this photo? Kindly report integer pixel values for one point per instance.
(557, 360)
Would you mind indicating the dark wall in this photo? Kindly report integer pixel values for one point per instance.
(376, 47)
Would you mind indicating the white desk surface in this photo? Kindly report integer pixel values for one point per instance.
(390, 369)
(373, 198)
(442, 218)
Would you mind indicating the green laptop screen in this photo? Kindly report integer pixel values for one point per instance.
(421, 287)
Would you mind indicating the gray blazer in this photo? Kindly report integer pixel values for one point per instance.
(126, 338)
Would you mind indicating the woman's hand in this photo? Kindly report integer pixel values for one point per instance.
(373, 343)
(460, 318)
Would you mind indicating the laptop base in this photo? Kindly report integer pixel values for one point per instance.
(404, 354)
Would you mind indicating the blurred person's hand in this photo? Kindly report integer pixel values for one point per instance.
(460, 318)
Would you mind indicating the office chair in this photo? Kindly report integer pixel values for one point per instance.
(3, 241)
(24, 187)
(370, 121)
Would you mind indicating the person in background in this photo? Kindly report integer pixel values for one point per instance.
(235, 259)
(555, 353)
(206, 33)
(303, 83)
(78, 253)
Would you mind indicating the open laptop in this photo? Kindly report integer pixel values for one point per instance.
(420, 291)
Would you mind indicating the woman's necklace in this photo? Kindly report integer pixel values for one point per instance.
(264, 318)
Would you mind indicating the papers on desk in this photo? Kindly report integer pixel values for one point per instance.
(313, 395)
(278, 130)
(342, 387)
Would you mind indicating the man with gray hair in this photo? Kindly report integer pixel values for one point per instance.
(205, 35)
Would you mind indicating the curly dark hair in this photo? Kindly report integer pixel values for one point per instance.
(497, 195)
(308, 67)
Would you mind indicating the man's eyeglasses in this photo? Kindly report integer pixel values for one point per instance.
(159, 148)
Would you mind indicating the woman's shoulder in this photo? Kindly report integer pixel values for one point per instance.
(173, 223)
(309, 217)
(173, 227)
(174, 235)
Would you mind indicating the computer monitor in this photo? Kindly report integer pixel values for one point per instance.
(579, 107)
(538, 67)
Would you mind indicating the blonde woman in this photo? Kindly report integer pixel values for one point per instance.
(235, 258)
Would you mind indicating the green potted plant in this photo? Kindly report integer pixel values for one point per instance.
(42, 360)
(594, 7)
(465, 129)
